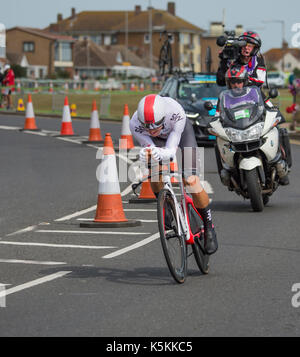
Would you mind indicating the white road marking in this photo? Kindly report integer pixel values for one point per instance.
(69, 140)
(139, 210)
(57, 245)
(87, 210)
(32, 283)
(132, 247)
(27, 229)
(40, 133)
(76, 214)
(17, 261)
(5, 127)
(89, 232)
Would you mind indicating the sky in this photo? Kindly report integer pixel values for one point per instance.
(251, 14)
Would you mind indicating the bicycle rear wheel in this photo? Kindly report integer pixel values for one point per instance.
(174, 246)
(201, 258)
(196, 225)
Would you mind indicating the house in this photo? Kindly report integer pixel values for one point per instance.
(283, 59)
(45, 52)
(139, 31)
(94, 61)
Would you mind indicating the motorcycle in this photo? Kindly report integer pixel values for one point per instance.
(250, 158)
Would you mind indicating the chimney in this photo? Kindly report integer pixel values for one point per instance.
(137, 9)
(59, 17)
(171, 8)
(216, 28)
(239, 30)
(285, 45)
(73, 12)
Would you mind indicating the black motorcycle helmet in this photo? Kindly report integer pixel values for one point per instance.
(252, 37)
(236, 74)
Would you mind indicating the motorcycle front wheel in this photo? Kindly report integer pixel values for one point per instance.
(254, 190)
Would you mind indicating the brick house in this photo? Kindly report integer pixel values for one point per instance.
(93, 61)
(133, 30)
(45, 52)
(283, 59)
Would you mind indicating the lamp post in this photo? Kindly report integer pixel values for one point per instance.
(150, 34)
(283, 35)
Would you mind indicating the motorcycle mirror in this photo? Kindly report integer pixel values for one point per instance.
(273, 93)
(208, 106)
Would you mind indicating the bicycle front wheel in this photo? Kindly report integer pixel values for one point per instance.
(174, 246)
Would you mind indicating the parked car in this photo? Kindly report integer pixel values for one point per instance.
(276, 79)
(192, 91)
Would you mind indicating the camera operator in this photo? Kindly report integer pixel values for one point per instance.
(243, 51)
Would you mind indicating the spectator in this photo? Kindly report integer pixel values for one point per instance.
(9, 83)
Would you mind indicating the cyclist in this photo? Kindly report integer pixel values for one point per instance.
(160, 125)
(249, 57)
(236, 79)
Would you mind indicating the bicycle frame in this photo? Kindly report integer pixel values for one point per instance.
(182, 210)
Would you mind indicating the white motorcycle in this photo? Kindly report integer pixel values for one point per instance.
(249, 156)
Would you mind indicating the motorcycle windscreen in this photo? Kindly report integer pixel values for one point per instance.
(241, 107)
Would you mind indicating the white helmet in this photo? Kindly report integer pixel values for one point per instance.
(151, 111)
(6, 67)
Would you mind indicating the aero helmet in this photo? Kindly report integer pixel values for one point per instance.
(151, 111)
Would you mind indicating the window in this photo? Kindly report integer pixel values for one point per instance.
(96, 39)
(63, 51)
(147, 38)
(107, 40)
(28, 46)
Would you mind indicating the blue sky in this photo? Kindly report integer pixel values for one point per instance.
(39, 13)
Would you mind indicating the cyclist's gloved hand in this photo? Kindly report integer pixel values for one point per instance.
(143, 155)
(156, 153)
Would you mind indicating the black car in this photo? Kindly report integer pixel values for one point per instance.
(192, 91)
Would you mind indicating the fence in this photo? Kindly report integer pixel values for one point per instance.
(84, 86)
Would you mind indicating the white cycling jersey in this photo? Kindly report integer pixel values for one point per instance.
(174, 124)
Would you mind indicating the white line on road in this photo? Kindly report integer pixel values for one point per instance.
(87, 210)
(76, 214)
(17, 261)
(132, 247)
(141, 220)
(32, 283)
(57, 245)
(90, 232)
(5, 127)
(27, 229)
(70, 140)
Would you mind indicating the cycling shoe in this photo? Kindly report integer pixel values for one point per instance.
(210, 240)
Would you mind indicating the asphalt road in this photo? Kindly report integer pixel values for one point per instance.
(64, 280)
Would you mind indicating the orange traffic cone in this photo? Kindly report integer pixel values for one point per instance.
(146, 195)
(29, 116)
(109, 211)
(66, 125)
(95, 136)
(126, 140)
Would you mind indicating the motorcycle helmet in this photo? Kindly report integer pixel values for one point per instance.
(151, 111)
(236, 74)
(252, 37)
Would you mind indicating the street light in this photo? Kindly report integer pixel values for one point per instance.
(150, 32)
(283, 34)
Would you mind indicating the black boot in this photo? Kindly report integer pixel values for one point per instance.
(210, 236)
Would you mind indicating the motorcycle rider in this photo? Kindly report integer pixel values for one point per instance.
(237, 78)
(249, 57)
(160, 126)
